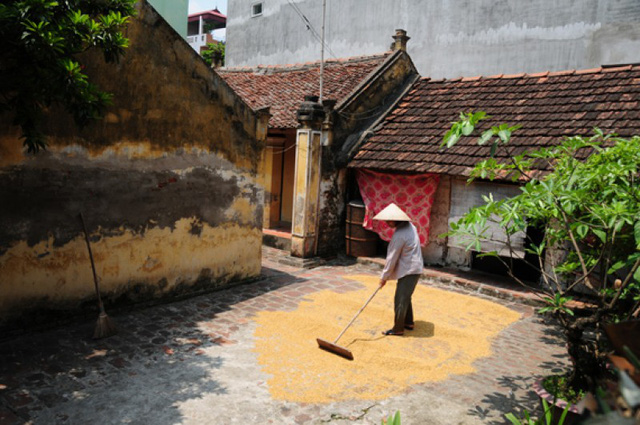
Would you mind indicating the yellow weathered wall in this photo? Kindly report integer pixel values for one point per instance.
(167, 184)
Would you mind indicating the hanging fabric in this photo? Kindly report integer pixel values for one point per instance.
(414, 193)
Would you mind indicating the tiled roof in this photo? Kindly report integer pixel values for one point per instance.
(283, 87)
(548, 106)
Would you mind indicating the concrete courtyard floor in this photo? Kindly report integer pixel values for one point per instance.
(192, 362)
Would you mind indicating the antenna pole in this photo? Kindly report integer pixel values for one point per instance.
(324, 14)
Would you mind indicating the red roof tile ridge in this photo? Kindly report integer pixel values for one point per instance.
(539, 74)
(263, 69)
(562, 73)
(307, 65)
(589, 71)
(482, 77)
(618, 68)
(513, 76)
(237, 69)
(454, 80)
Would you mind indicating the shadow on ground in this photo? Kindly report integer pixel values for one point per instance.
(516, 397)
(143, 374)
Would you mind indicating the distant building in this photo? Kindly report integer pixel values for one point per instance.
(200, 26)
(175, 12)
(448, 38)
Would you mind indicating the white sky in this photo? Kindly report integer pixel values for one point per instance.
(196, 6)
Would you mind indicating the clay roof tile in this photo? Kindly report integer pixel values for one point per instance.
(548, 105)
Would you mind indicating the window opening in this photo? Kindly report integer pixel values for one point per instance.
(256, 9)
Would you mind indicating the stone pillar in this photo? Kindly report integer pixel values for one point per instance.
(327, 125)
(263, 177)
(216, 59)
(306, 189)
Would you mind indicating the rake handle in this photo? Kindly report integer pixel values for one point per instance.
(93, 266)
(357, 314)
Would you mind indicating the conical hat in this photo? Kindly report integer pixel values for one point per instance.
(392, 213)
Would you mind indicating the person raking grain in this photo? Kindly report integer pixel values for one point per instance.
(404, 263)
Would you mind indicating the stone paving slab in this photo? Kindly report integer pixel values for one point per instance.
(192, 362)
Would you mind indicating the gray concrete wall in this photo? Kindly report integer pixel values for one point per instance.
(449, 38)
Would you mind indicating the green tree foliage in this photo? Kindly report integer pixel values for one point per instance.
(41, 41)
(588, 209)
(212, 50)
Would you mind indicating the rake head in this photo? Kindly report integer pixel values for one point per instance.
(334, 348)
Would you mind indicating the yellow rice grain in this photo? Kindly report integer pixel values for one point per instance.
(452, 331)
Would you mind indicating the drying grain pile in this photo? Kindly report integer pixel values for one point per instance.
(452, 331)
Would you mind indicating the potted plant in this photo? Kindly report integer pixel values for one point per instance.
(583, 196)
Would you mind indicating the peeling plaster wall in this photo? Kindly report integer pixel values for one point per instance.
(166, 183)
(435, 252)
(448, 38)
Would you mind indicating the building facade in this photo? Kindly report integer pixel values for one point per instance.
(203, 27)
(449, 38)
(174, 12)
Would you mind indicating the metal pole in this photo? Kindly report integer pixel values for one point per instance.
(324, 13)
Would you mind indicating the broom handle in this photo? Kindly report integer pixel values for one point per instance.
(357, 314)
(93, 266)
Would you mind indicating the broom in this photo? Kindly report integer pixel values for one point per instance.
(104, 326)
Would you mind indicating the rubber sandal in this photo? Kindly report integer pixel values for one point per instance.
(409, 327)
(391, 332)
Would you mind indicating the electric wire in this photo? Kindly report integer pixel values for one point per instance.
(310, 28)
(282, 151)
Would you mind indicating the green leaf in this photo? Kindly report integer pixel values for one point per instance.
(563, 416)
(396, 418)
(513, 419)
(486, 136)
(582, 230)
(467, 128)
(616, 266)
(452, 136)
(547, 411)
(636, 233)
(504, 135)
(600, 234)
(478, 116)
(493, 149)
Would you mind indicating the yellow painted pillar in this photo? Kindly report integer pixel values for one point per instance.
(265, 162)
(306, 188)
(265, 178)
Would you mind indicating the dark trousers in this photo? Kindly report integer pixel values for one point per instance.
(402, 302)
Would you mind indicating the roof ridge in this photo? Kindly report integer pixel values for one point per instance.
(543, 74)
(308, 65)
(617, 68)
(562, 73)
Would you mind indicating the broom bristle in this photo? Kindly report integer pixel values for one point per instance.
(104, 327)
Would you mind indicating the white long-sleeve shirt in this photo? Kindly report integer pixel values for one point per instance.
(404, 256)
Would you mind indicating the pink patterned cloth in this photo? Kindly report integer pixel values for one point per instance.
(413, 193)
